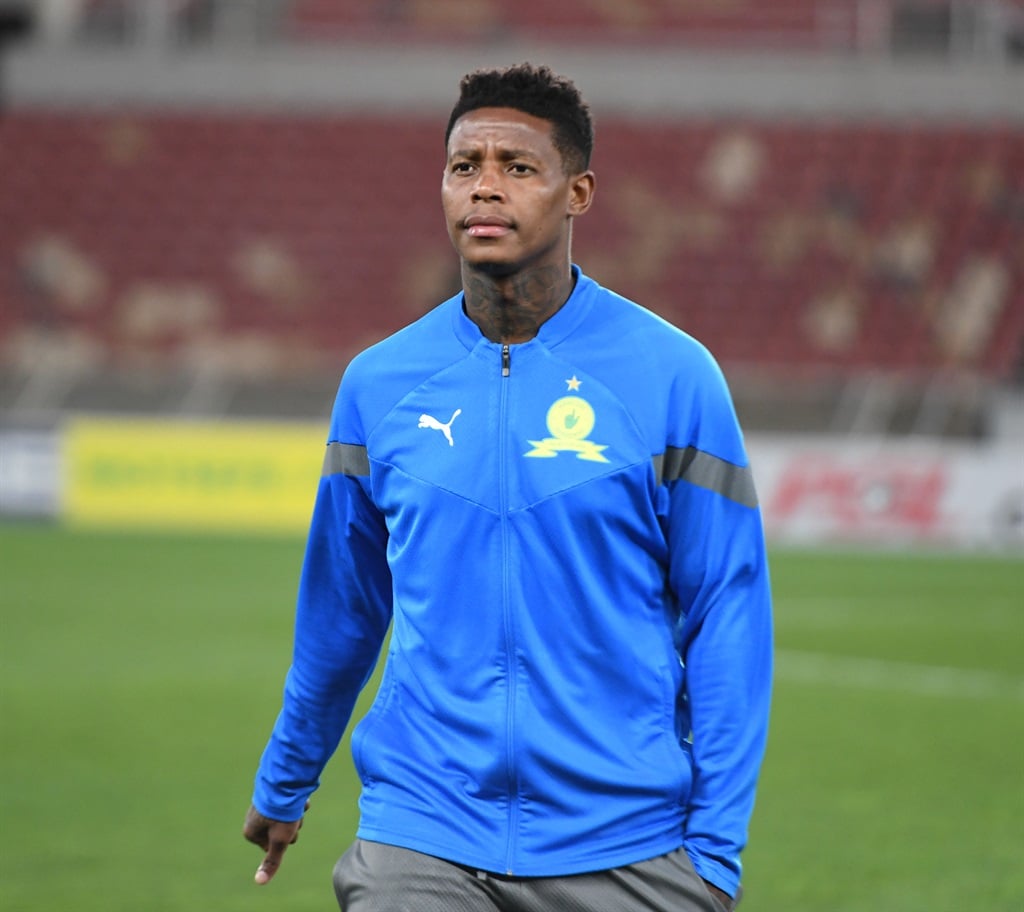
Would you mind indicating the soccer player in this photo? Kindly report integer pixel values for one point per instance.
(542, 487)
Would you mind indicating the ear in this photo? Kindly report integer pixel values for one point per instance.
(581, 193)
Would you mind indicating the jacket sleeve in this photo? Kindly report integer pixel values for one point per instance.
(342, 616)
(719, 573)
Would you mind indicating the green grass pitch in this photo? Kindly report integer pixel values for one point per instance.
(140, 675)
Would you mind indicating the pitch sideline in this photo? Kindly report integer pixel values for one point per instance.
(906, 677)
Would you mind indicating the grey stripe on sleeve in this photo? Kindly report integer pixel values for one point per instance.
(706, 471)
(346, 459)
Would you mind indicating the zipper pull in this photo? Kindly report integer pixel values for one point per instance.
(506, 360)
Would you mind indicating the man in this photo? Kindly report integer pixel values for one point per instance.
(543, 487)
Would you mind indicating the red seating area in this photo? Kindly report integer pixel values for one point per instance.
(289, 242)
(789, 23)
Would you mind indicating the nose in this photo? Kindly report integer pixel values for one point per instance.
(488, 185)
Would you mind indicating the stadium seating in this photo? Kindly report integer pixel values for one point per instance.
(788, 23)
(251, 244)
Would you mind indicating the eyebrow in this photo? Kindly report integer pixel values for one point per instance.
(503, 154)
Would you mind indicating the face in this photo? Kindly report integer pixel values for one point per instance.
(507, 200)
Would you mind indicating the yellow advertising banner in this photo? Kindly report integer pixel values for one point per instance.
(259, 477)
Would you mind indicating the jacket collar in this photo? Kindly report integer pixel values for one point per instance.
(552, 331)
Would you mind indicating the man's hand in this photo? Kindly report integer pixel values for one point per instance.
(273, 836)
(724, 898)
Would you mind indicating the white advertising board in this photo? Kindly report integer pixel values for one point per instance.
(817, 491)
(30, 473)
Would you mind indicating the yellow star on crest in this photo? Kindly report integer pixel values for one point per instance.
(573, 383)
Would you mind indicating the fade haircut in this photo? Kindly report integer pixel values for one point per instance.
(537, 91)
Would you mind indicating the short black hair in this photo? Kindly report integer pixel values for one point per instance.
(537, 91)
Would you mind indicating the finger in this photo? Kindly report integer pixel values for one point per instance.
(257, 837)
(256, 829)
(268, 867)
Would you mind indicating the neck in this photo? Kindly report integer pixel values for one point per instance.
(511, 308)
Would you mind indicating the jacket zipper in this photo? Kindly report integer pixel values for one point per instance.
(510, 651)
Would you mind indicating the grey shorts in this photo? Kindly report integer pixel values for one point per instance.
(374, 877)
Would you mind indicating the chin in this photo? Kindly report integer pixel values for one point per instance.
(492, 266)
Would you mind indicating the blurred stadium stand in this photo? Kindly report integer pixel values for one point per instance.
(208, 207)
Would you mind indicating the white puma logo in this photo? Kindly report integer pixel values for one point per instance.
(429, 421)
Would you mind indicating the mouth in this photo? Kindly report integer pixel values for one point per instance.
(487, 226)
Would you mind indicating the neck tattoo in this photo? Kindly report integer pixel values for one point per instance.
(511, 309)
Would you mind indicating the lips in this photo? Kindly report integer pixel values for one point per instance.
(486, 226)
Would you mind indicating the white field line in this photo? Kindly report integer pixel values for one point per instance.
(994, 614)
(902, 677)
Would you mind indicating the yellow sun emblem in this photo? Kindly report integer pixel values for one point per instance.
(570, 421)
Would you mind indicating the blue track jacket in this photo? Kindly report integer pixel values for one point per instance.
(565, 536)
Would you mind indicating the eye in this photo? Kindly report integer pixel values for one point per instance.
(462, 167)
(520, 168)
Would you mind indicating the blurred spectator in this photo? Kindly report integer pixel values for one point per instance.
(17, 19)
(733, 167)
(195, 19)
(968, 313)
(62, 279)
(904, 254)
(832, 320)
(107, 20)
